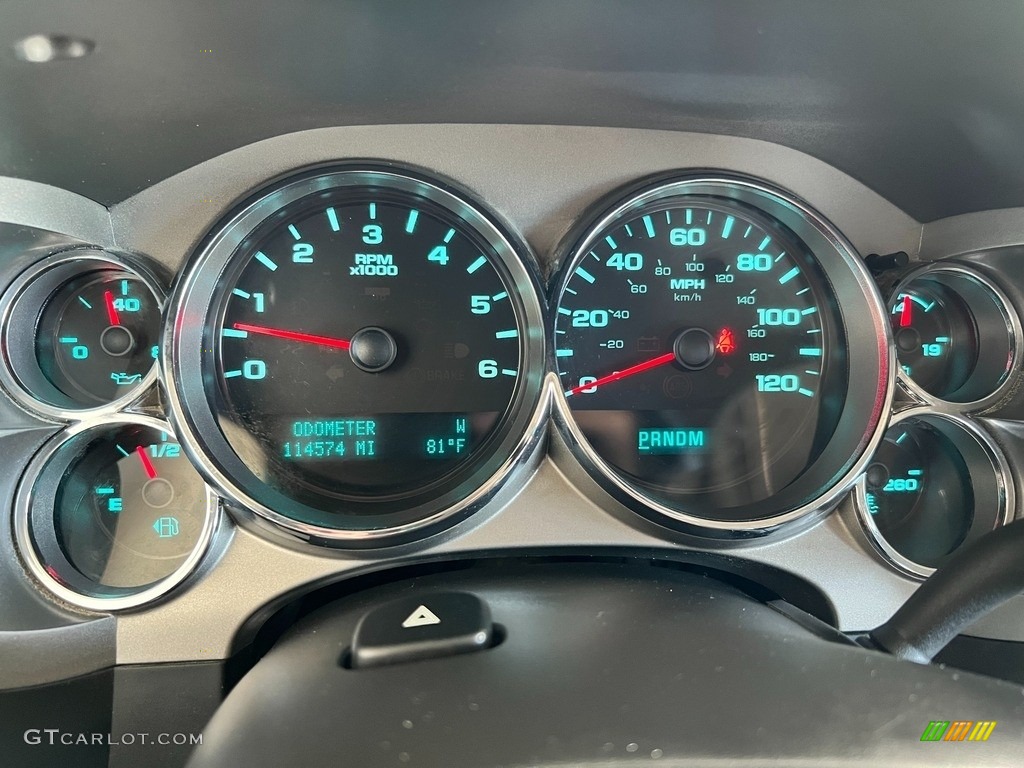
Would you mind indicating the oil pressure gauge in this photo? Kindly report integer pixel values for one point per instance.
(80, 334)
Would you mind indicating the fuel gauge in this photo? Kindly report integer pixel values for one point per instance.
(112, 515)
(954, 334)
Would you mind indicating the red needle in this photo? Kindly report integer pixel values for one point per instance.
(306, 338)
(112, 316)
(146, 463)
(905, 313)
(668, 357)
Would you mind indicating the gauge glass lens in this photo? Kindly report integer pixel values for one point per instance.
(700, 350)
(129, 509)
(936, 338)
(953, 335)
(367, 349)
(97, 336)
(919, 493)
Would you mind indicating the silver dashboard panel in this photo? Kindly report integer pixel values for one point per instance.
(540, 180)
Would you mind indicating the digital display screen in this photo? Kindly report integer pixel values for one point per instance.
(383, 436)
(670, 440)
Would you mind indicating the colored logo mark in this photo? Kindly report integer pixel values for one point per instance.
(958, 730)
(166, 527)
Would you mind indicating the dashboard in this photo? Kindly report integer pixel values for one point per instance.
(642, 376)
(338, 351)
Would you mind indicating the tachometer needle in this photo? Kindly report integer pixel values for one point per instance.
(305, 338)
(147, 464)
(668, 357)
(112, 316)
(905, 312)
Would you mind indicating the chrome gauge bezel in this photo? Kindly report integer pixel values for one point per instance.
(1008, 320)
(999, 487)
(864, 319)
(190, 307)
(20, 308)
(31, 507)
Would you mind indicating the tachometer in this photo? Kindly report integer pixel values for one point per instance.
(371, 352)
(704, 351)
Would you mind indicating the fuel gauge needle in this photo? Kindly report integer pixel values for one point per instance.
(147, 463)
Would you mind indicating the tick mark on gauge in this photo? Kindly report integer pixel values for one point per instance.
(332, 219)
(564, 311)
(509, 372)
(810, 352)
(780, 257)
(373, 210)
(584, 274)
(805, 392)
(764, 243)
(266, 261)
(499, 296)
(611, 242)
(86, 303)
(649, 226)
(476, 264)
(122, 450)
(448, 237)
(294, 231)
(629, 231)
(241, 294)
(232, 333)
(789, 275)
(410, 223)
(727, 227)
(563, 352)
(509, 334)
(232, 374)
(809, 311)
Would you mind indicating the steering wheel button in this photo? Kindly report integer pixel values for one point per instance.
(421, 627)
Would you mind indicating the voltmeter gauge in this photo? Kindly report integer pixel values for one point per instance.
(81, 331)
(935, 483)
(112, 515)
(956, 336)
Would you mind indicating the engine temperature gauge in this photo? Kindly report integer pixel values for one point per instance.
(936, 482)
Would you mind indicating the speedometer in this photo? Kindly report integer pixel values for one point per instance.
(706, 353)
(370, 347)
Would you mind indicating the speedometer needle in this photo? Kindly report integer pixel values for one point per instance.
(305, 338)
(654, 362)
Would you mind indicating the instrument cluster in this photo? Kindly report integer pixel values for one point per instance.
(364, 355)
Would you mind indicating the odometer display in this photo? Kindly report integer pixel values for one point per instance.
(367, 354)
(701, 352)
